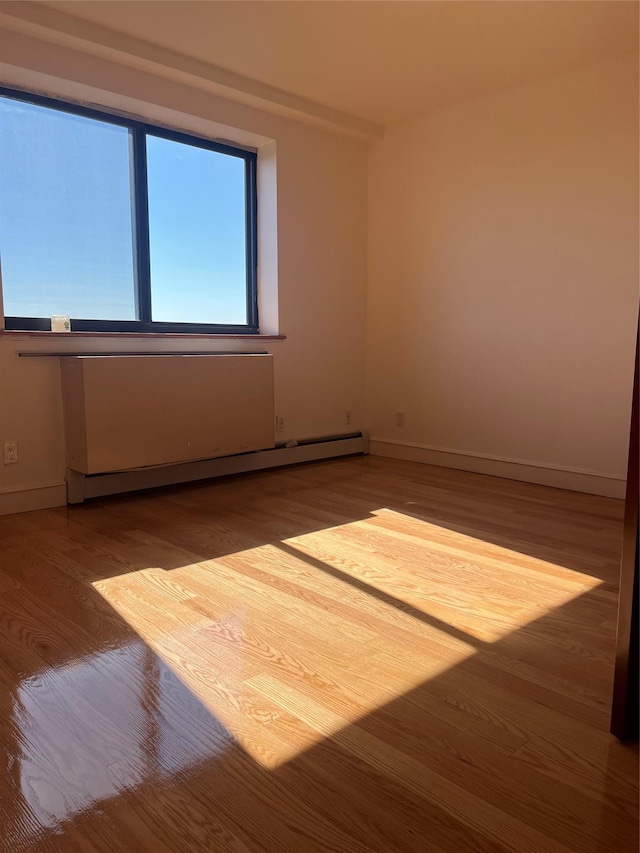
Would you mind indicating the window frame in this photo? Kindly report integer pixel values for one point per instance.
(140, 230)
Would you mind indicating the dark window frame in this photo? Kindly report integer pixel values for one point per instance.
(141, 249)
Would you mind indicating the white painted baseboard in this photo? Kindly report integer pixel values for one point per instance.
(80, 487)
(55, 494)
(38, 497)
(512, 469)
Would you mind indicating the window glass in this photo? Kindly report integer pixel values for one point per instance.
(66, 220)
(197, 236)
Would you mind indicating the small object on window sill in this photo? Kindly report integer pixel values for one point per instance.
(60, 323)
(291, 443)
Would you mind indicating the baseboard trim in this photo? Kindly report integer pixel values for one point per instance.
(82, 487)
(573, 479)
(55, 494)
(26, 500)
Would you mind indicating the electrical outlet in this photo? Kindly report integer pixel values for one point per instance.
(279, 423)
(10, 452)
(401, 418)
(347, 418)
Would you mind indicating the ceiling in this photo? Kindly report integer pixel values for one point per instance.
(379, 61)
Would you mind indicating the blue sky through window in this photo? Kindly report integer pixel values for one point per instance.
(196, 234)
(66, 222)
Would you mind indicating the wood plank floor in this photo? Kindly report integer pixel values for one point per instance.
(353, 656)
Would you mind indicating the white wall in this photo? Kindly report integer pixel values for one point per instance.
(321, 268)
(503, 279)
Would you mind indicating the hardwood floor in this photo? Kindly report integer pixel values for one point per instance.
(352, 656)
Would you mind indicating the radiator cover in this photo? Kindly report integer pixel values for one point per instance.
(128, 412)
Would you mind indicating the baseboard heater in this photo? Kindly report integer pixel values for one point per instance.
(139, 422)
(81, 487)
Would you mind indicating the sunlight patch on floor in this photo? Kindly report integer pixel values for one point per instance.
(217, 659)
(451, 583)
(339, 622)
(447, 538)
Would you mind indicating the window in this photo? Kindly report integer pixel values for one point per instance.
(122, 226)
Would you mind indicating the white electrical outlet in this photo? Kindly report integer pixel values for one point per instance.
(401, 418)
(348, 418)
(279, 423)
(10, 452)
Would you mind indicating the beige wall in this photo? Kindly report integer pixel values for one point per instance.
(503, 276)
(320, 256)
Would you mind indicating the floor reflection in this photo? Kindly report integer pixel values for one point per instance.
(86, 731)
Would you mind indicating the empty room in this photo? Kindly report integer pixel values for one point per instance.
(319, 423)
